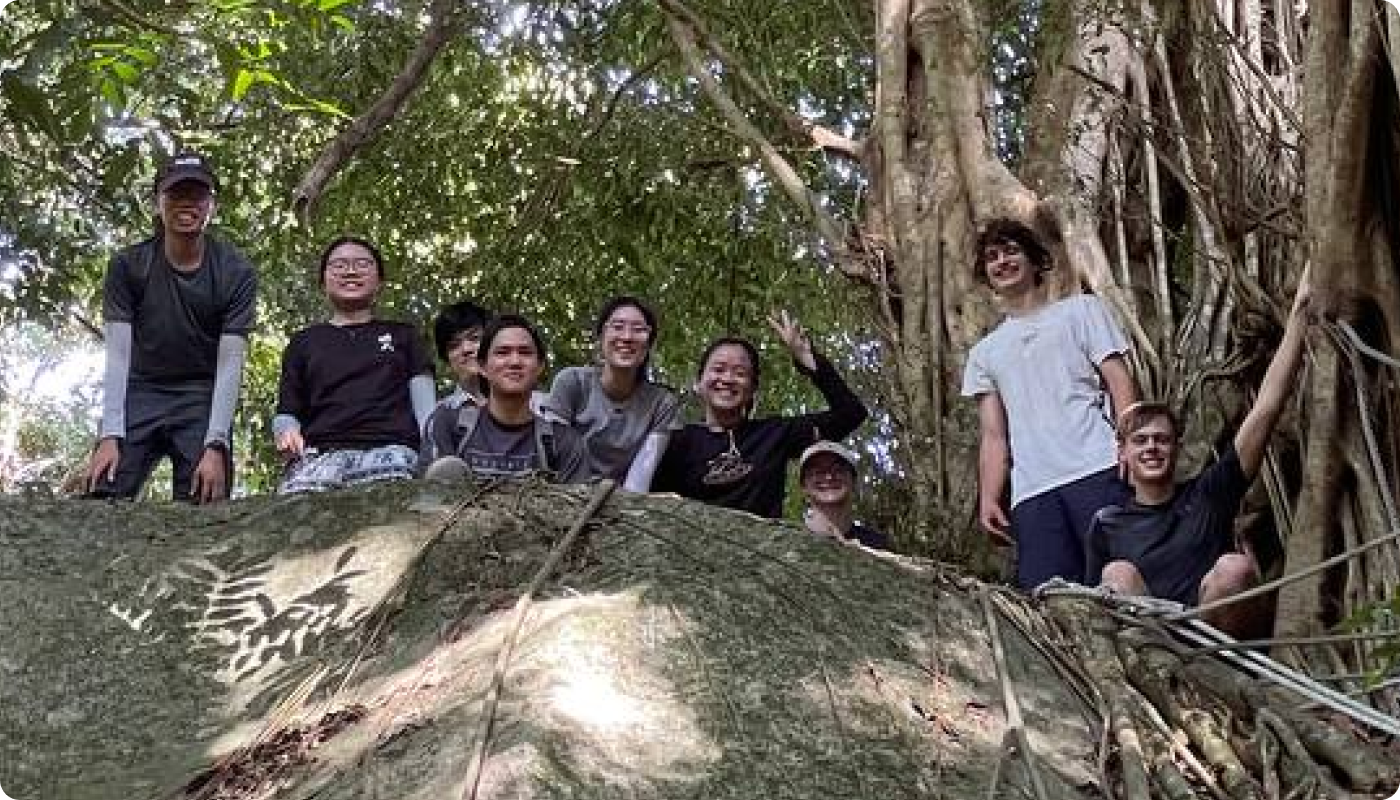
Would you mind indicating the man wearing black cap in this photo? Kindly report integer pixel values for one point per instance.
(828, 475)
(177, 309)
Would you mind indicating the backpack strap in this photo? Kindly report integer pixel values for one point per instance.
(468, 415)
(546, 438)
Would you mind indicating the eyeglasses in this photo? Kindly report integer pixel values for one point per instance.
(637, 328)
(345, 266)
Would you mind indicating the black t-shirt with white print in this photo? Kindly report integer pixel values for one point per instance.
(348, 384)
(746, 468)
(1175, 544)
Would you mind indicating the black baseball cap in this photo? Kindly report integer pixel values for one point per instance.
(185, 167)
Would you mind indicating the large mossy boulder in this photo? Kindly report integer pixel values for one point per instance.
(375, 644)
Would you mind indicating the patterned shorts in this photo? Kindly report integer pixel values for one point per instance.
(319, 472)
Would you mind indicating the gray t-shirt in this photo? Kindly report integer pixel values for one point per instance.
(494, 449)
(612, 430)
(1044, 367)
(177, 317)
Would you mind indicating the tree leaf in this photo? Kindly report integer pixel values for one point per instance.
(242, 82)
(30, 103)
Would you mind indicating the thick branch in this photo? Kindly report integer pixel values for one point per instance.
(366, 126)
(135, 20)
(822, 137)
(783, 173)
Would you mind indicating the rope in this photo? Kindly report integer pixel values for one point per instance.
(601, 492)
(1348, 336)
(1204, 636)
(1260, 665)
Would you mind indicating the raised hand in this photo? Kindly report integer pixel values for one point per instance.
(794, 338)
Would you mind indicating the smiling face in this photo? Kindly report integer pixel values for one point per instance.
(462, 352)
(827, 480)
(351, 276)
(513, 363)
(1148, 453)
(726, 385)
(185, 208)
(626, 338)
(1008, 268)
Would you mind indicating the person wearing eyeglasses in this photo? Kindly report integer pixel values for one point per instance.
(355, 392)
(625, 419)
(177, 309)
(827, 473)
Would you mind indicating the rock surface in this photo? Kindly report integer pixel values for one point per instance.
(349, 646)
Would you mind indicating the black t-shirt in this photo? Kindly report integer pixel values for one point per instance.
(746, 468)
(1175, 544)
(177, 318)
(868, 536)
(348, 384)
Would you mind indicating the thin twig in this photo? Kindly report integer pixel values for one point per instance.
(1015, 724)
(601, 492)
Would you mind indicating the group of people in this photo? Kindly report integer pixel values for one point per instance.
(357, 399)
(1088, 468)
(1094, 496)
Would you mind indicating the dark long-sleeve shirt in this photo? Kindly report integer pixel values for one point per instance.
(746, 468)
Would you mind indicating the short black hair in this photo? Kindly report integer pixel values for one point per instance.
(629, 301)
(500, 323)
(747, 346)
(453, 319)
(352, 239)
(1005, 230)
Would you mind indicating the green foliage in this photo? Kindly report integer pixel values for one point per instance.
(1380, 618)
(555, 155)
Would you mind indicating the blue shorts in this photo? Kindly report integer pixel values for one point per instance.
(1051, 528)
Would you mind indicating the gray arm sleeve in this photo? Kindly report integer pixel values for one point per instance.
(228, 379)
(646, 461)
(283, 423)
(423, 395)
(117, 336)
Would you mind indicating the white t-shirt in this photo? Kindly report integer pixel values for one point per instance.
(1043, 365)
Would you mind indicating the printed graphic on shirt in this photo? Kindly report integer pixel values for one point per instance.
(386, 343)
(495, 450)
(726, 468)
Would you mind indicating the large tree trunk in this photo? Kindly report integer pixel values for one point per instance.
(1164, 156)
(525, 640)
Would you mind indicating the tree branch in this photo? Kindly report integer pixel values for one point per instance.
(366, 126)
(135, 20)
(822, 138)
(830, 230)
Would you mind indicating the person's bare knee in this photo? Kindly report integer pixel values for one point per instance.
(1232, 574)
(1123, 577)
